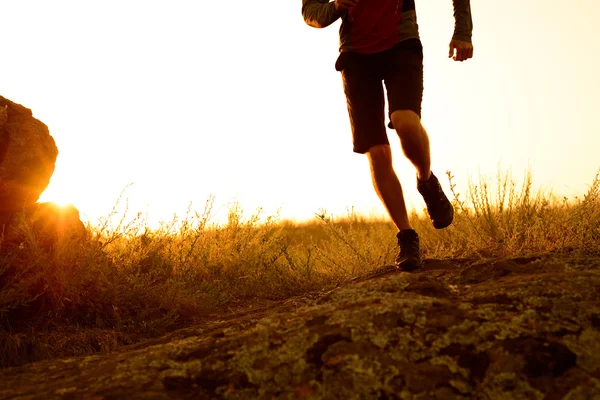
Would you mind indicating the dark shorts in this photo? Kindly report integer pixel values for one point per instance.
(401, 69)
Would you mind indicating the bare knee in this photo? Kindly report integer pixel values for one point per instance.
(380, 157)
(407, 124)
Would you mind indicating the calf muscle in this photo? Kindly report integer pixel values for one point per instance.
(414, 141)
(387, 186)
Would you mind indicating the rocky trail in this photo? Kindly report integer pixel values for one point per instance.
(524, 328)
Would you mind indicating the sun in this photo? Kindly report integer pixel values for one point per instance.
(59, 193)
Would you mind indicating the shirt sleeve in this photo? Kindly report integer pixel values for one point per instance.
(463, 27)
(319, 13)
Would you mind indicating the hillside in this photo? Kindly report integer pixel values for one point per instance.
(511, 328)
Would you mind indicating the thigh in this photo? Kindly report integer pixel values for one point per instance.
(403, 76)
(365, 99)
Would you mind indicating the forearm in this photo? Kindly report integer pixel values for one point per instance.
(463, 27)
(319, 13)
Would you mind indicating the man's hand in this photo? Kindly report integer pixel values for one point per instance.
(344, 5)
(460, 50)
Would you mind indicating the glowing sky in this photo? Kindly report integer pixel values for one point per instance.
(241, 99)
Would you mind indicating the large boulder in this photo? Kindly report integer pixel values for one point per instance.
(525, 328)
(27, 157)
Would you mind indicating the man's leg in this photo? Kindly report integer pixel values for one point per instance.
(404, 82)
(389, 190)
(387, 185)
(414, 141)
(415, 145)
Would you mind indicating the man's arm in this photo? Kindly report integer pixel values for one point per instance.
(320, 13)
(461, 48)
(463, 27)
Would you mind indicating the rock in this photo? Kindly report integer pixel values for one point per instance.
(27, 157)
(52, 223)
(517, 331)
(48, 224)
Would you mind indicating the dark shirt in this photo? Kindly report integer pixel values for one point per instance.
(372, 26)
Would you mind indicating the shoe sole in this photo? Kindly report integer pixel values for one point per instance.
(443, 224)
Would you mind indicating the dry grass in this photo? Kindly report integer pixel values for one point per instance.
(130, 282)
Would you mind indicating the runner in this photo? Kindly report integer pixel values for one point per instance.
(379, 43)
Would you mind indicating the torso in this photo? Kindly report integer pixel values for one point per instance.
(373, 26)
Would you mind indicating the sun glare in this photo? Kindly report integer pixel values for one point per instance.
(61, 195)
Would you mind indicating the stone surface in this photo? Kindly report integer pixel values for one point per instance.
(27, 157)
(510, 329)
(47, 223)
(52, 223)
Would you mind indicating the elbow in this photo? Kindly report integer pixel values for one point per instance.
(314, 24)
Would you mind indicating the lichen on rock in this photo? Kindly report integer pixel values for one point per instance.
(425, 335)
